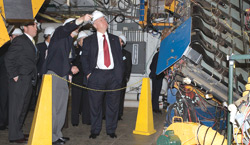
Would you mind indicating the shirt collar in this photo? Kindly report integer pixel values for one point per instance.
(31, 38)
(47, 43)
(99, 34)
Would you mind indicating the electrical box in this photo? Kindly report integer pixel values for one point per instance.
(138, 53)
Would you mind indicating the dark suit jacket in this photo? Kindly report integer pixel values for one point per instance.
(59, 48)
(153, 66)
(42, 47)
(21, 57)
(90, 52)
(79, 77)
(127, 59)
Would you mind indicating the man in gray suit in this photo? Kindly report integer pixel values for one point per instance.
(20, 61)
(57, 62)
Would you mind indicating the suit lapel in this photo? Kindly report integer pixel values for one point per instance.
(30, 43)
(33, 47)
(94, 45)
(112, 44)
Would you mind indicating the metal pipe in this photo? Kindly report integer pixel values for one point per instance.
(239, 56)
(230, 100)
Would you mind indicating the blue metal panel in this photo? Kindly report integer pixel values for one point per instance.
(142, 9)
(173, 46)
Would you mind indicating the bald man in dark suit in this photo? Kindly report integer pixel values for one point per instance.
(102, 63)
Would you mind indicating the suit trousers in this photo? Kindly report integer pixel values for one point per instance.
(80, 103)
(60, 92)
(103, 80)
(19, 98)
(85, 107)
(76, 101)
(121, 106)
(156, 90)
(3, 101)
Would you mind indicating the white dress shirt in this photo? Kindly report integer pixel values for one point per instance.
(46, 51)
(100, 57)
(31, 38)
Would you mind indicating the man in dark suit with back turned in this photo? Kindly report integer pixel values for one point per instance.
(43, 51)
(127, 59)
(20, 61)
(102, 63)
(80, 101)
(58, 62)
(43, 47)
(156, 83)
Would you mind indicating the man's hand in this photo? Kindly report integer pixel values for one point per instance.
(88, 76)
(15, 78)
(84, 18)
(70, 78)
(74, 70)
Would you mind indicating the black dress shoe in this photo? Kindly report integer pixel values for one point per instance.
(157, 111)
(3, 127)
(58, 142)
(112, 135)
(23, 141)
(92, 135)
(64, 139)
(86, 122)
(119, 118)
(26, 136)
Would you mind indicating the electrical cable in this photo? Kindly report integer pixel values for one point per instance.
(106, 2)
(198, 133)
(205, 135)
(214, 137)
(126, 7)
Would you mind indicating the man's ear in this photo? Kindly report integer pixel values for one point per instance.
(94, 25)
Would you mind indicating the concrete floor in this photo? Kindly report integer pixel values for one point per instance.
(80, 135)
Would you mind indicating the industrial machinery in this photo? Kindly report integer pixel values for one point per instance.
(247, 19)
(201, 56)
(190, 134)
(240, 118)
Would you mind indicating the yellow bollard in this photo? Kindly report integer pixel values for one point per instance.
(4, 37)
(41, 129)
(145, 122)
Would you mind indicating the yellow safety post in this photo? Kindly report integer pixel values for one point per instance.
(36, 5)
(41, 129)
(145, 123)
(2, 9)
(4, 37)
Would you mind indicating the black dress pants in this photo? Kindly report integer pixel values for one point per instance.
(3, 101)
(156, 90)
(80, 102)
(19, 99)
(121, 106)
(103, 80)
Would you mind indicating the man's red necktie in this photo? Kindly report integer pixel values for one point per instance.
(106, 52)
